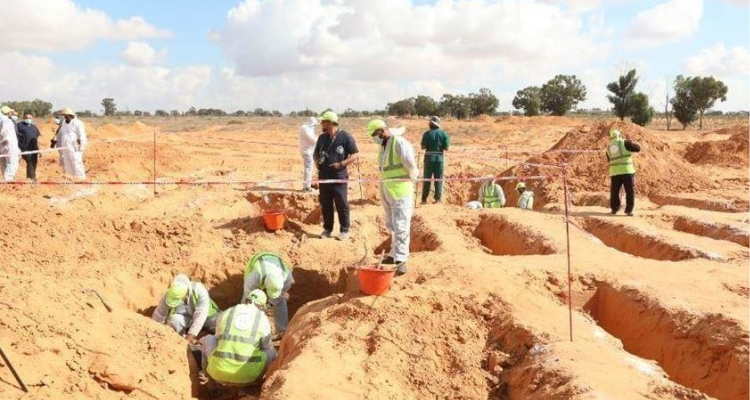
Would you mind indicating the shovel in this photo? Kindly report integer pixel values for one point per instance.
(13, 370)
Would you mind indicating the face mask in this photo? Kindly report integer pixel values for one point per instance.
(28, 122)
(14, 118)
(58, 121)
(377, 140)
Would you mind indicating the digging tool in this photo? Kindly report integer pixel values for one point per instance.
(361, 193)
(380, 263)
(13, 370)
(106, 305)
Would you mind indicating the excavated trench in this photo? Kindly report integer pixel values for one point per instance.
(705, 352)
(713, 230)
(641, 244)
(502, 237)
(422, 238)
(734, 206)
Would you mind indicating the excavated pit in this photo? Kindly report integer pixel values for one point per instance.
(502, 237)
(640, 244)
(422, 238)
(713, 230)
(733, 206)
(705, 352)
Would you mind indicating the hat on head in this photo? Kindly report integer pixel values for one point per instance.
(374, 126)
(67, 111)
(330, 116)
(435, 120)
(5, 110)
(257, 297)
(176, 292)
(614, 134)
(520, 185)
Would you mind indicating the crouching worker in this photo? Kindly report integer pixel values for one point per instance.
(526, 197)
(187, 308)
(491, 195)
(240, 351)
(268, 272)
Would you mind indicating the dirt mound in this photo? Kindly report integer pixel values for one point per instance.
(139, 127)
(732, 152)
(659, 167)
(538, 121)
(112, 161)
(107, 131)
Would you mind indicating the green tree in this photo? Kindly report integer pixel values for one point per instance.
(402, 108)
(38, 108)
(529, 100)
(622, 92)
(483, 102)
(705, 92)
(458, 106)
(110, 108)
(561, 94)
(161, 113)
(683, 103)
(641, 111)
(175, 113)
(425, 106)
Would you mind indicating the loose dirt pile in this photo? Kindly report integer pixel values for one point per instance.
(659, 168)
(732, 152)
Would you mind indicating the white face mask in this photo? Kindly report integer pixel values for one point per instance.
(58, 121)
(14, 118)
(377, 140)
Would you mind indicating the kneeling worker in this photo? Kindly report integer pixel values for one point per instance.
(241, 350)
(526, 199)
(186, 304)
(491, 195)
(268, 272)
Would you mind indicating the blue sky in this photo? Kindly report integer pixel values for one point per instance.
(287, 54)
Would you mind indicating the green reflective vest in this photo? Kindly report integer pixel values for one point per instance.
(238, 358)
(255, 265)
(620, 158)
(526, 201)
(393, 168)
(212, 307)
(490, 196)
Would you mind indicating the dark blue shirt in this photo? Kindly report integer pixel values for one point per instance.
(28, 137)
(328, 152)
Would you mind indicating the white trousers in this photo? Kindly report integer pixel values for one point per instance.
(307, 160)
(398, 214)
(72, 163)
(10, 167)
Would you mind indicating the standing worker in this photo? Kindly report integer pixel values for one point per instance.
(621, 171)
(335, 150)
(268, 272)
(187, 308)
(241, 350)
(8, 144)
(526, 199)
(28, 135)
(307, 140)
(397, 161)
(435, 141)
(72, 139)
(491, 195)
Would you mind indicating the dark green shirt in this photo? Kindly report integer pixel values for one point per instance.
(435, 141)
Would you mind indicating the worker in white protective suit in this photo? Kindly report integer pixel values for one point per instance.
(187, 308)
(9, 152)
(397, 162)
(307, 141)
(72, 140)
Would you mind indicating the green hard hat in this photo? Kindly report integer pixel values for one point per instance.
(5, 109)
(614, 133)
(257, 297)
(176, 293)
(374, 125)
(330, 116)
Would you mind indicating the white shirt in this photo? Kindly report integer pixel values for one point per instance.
(8, 138)
(307, 139)
(72, 135)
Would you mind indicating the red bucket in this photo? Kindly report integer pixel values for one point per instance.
(274, 220)
(375, 281)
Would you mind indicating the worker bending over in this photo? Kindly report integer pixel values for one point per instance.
(187, 304)
(491, 195)
(268, 272)
(241, 350)
(526, 199)
(397, 161)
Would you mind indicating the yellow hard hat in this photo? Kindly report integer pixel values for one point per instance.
(330, 116)
(176, 293)
(614, 134)
(257, 297)
(520, 185)
(375, 125)
(5, 110)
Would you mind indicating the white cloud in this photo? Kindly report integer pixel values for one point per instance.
(665, 23)
(142, 54)
(363, 40)
(44, 25)
(720, 61)
(579, 5)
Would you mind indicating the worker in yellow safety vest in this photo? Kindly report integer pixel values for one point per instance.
(491, 195)
(187, 308)
(241, 350)
(397, 166)
(621, 171)
(526, 197)
(268, 272)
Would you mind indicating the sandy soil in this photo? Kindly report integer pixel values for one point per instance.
(659, 301)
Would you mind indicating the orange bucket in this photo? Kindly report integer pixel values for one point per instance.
(274, 220)
(375, 281)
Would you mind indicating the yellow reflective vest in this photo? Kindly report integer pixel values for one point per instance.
(392, 167)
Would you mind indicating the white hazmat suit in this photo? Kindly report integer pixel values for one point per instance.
(307, 140)
(72, 140)
(9, 148)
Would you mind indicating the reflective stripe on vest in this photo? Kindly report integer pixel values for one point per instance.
(237, 358)
(213, 309)
(620, 158)
(256, 263)
(394, 169)
(490, 198)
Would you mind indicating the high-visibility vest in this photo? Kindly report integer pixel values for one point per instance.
(255, 264)
(526, 201)
(620, 158)
(490, 196)
(238, 358)
(212, 307)
(392, 167)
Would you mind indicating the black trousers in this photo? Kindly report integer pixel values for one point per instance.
(617, 182)
(334, 194)
(31, 161)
